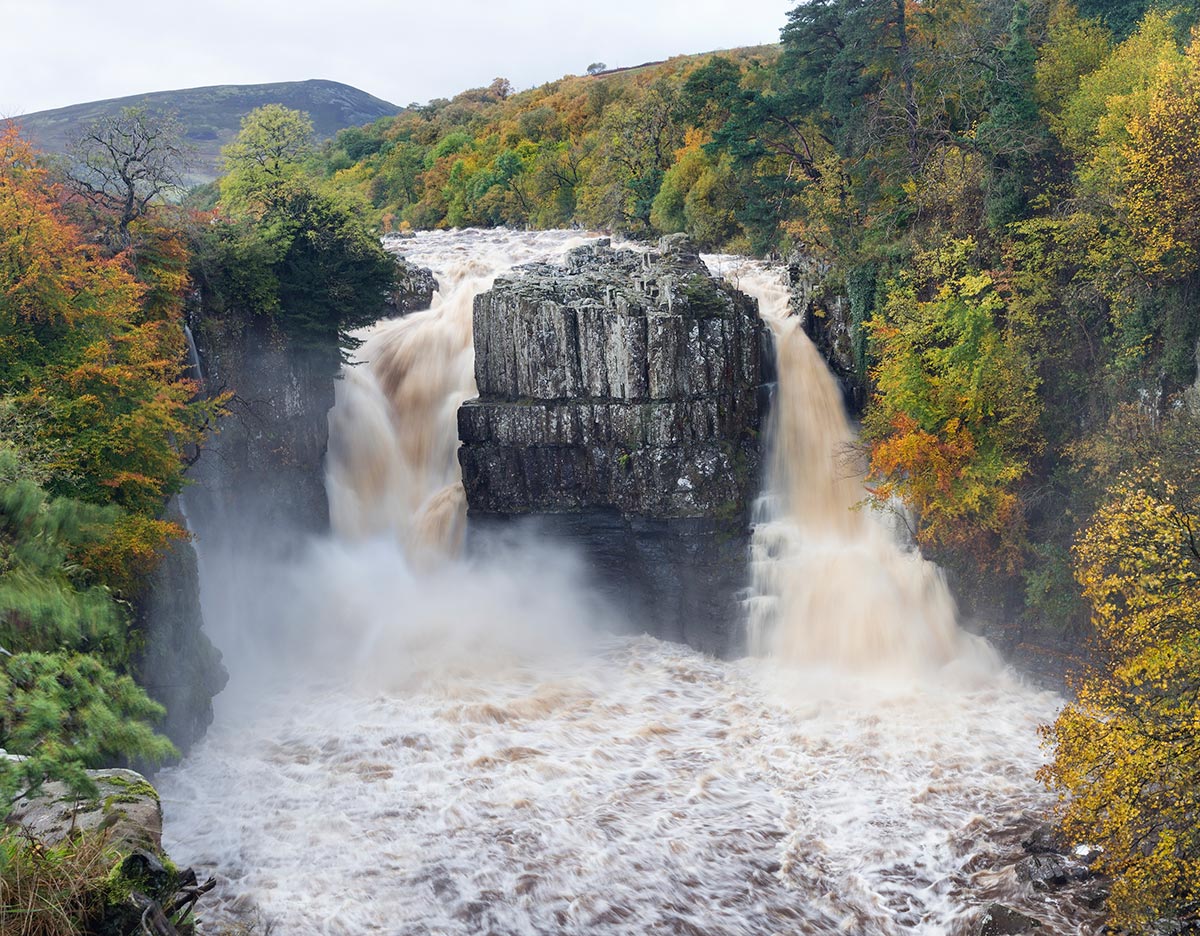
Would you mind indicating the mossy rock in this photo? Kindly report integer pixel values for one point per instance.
(125, 805)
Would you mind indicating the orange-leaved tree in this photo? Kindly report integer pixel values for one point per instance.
(92, 360)
(953, 424)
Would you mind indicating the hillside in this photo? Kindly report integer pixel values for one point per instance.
(212, 115)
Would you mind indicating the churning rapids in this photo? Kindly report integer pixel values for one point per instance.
(418, 743)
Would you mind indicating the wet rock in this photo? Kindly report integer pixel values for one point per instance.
(999, 920)
(1094, 895)
(620, 400)
(177, 664)
(1050, 871)
(259, 486)
(826, 317)
(415, 286)
(1045, 839)
(125, 804)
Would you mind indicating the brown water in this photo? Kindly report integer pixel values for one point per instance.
(426, 744)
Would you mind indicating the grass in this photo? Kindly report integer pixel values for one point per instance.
(52, 891)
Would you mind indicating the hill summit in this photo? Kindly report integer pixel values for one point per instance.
(213, 114)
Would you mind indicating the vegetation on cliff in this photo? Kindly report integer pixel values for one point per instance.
(1004, 194)
(98, 421)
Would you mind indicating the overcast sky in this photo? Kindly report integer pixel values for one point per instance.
(59, 52)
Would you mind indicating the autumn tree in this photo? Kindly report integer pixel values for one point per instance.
(123, 164)
(94, 416)
(1125, 749)
(953, 424)
(1162, 200)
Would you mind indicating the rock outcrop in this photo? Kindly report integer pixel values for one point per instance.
(827, 318)
(125, 805)
(130, 886)
(177, 664)
(620, 401)
(260, 480)
(414, 289)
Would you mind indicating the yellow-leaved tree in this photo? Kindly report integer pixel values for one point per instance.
(1127, 749)
(1162, 199)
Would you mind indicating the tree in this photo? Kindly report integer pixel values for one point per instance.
(291, 247)
(953, 424)
(125, 163)
(269, 148)
(1126, 750)
(88, 362)
(1162, 200)
(596, 67)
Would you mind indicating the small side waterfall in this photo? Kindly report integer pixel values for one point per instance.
(832, 582)
(193, 355)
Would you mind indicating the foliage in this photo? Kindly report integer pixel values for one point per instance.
(268, 151)
(953, 425)
(1161, 201)
(124, 163)
(1125, 750)
(96, 417)
(288, 246)
(55, 891)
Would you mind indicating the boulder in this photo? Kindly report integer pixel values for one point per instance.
(125, 804)
(999, 920)
(415, 286)
(1049, 871)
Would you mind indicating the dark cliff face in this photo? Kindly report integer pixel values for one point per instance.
(827, 319)
(178, 665)
(255, 494)
(620, 402)
(260, 481)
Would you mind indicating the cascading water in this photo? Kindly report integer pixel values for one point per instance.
(831, 581)
(393, 466)
(454, 746)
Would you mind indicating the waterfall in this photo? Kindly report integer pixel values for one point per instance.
(193, 355)
(415, 742)
(393, 432)
(832, 581)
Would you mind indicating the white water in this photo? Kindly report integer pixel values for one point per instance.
(456, 747)
(832, 581)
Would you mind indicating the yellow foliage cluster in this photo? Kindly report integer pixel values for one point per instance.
(1162, 200)
(1127, 750)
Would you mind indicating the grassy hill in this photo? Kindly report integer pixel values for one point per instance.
(212, 115)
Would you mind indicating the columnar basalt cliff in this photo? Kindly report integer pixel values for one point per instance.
(620, 401)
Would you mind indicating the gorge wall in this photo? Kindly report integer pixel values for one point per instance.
(260, 477)
(620, 402)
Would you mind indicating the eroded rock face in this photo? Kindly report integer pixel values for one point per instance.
(415, 286)
(260, 483)
(177, 664)
(826, 317)
(620, 399)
